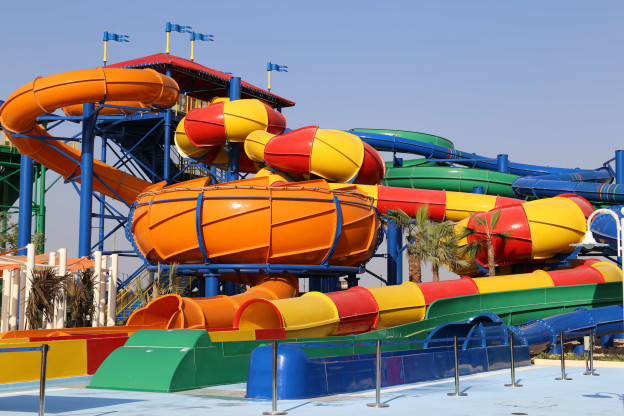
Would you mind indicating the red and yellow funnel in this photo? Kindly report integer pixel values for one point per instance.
(231, 121)
(537, 230)
(334, 155)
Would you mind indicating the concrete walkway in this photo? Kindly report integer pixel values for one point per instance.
(541, 394)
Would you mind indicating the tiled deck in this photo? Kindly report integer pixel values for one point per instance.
(541, 394)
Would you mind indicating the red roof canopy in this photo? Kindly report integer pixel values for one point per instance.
(199, 81)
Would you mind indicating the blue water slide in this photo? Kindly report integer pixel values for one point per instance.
(534, 181)
(604, 227)
(539, 334)
(484, 347)
(394, 143)
(551, 185)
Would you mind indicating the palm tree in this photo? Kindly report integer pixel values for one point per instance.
(80, 298)
(486, 234)
(47, 289)
(434, 242)
(441, 243)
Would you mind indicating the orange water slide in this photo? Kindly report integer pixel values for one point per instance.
(175, 312)
(44, 95)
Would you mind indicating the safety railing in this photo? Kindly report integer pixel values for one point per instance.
(44, 348)
(186, 103)
(570, 335)
(136, 294)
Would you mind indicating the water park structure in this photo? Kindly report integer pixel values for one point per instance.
(217, 188)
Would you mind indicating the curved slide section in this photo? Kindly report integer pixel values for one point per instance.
(534, 181)
(536, 230)
(175, 312)
(544, 187)
(451, 179)
(395, 305)
(604, 227)
(395, 143)
(539, 334)
(44, 95)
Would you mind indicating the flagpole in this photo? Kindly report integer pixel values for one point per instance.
(105, 49)
(167, 50)
(192, 49)
(269, 87)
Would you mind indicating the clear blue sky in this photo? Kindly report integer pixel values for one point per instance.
(539, 80)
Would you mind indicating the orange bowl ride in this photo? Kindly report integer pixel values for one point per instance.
(249, 222)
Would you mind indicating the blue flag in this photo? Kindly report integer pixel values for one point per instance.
(278, 68)
(172, 27)
(201, 36)
(117, 38)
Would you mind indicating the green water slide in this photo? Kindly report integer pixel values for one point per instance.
(175, 360)
(422, 174)
(450, 179)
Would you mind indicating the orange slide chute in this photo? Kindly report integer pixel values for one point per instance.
(44, 95)
(173, 311)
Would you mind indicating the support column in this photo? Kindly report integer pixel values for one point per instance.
(167, 138)
(51, 320)
(211, 286)
(102, 204)
(330, 284)
(393, 252)
(112, 291)
(86, 180)
(97, 272)
(399, 259)
(619, 167)
(352, 280)
(30, 271)
(61, 310)
(41, 212)
(102, 300)
(24, 231)
(15, 285)
(21, 304)
(478, 190)
(315, 284)
(233, 157)
(234, 148)
(502, 163)
(6, 300)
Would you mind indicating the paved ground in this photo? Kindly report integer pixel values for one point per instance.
(541, 394)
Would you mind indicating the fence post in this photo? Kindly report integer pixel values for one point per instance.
(512, 363)
(42, 380)
(563, 374)
(590, 370)
(456, 349)
(274, 400)
(378, 379)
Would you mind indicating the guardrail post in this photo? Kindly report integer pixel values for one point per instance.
(378, 379)
(563, 374)
(590, 370)
(456, 350)
(42, 380)
(274, 400)
(512, 363)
